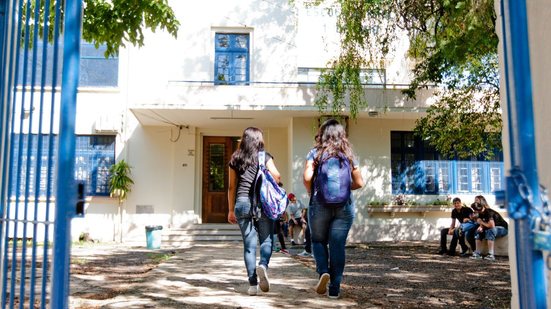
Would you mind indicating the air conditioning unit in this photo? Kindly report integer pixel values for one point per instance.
(106, 123)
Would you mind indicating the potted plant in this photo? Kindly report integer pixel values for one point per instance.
(120, 184)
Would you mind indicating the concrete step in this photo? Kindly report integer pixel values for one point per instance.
(197, 233)
(202, 233)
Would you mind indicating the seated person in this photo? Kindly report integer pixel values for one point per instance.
(491, 226)
(462, 214)
(294, 210)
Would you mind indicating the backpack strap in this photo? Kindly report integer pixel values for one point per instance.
(261, 158)
(254, 191)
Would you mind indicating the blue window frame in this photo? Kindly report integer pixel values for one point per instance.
(94, 155)
(231, 59)
(417, 168)
(95, 69)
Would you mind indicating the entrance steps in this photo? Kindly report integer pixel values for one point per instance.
(201, 233)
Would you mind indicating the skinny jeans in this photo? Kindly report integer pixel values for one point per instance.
(254, 231)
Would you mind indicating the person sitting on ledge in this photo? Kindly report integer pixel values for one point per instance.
(491, 226)
(462, 214)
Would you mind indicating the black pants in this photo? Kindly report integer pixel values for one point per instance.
(279, 231)
(453, 244)
(307, 239)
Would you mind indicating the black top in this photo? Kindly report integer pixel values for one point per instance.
(461, 214)
(490, 214)
(245, 180)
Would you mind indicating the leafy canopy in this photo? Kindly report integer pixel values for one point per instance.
(454, 47)
(112, 23)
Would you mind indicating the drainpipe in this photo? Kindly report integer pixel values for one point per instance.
(526, 204)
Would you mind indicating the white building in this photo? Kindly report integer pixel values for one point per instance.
(175, 108)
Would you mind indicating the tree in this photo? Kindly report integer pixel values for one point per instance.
(112, 23)
(120, 184)
(454, 47)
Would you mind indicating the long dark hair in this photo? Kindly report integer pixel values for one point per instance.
(247, 155)
(331, 141)
(483, 201)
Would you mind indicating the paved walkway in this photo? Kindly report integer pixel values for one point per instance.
(214, 276)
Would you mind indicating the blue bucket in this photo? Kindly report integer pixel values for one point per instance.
(153, 236)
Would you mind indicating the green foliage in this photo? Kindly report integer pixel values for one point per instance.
(113, 22)
(365, 41)
(158, 258)
(120, 182)
(453, 45)
(109, 22)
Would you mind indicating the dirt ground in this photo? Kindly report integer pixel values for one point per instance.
(411, 275)
(382, 274)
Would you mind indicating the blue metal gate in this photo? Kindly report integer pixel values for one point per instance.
(39, 46)
(525, 198)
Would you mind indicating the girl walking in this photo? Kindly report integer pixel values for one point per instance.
(329, 224)
(242, 174)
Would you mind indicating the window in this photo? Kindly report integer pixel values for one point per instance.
(417, 168)
(231, 60)
(95, 69)
(94, 155)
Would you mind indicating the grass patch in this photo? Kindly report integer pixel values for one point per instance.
(78, 261)
(159, 257)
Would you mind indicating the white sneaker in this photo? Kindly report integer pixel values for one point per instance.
(304, 254)
(263, 281)
(253, 289)
(321, 287)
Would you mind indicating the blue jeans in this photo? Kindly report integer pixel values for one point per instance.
(469, 229)
(492, 234)
(252, 232)
(329, 228)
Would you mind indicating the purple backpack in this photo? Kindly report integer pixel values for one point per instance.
(272, 197)
(333, 181)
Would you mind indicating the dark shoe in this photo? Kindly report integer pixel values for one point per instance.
(293, 243)
(464, 254)
(451, 253)
(442, 251)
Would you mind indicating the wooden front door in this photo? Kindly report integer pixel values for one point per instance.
(216, 155)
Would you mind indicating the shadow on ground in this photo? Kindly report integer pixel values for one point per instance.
(377, 275)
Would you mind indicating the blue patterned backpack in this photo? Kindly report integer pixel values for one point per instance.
(272, 198)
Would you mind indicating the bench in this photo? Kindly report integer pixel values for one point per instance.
(501, 246)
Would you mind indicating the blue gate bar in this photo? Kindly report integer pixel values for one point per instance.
(66, 195)
(530, 265)
(19, 159)
(39, 152)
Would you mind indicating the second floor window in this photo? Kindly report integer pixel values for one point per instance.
(231, 59)
(95, 70)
